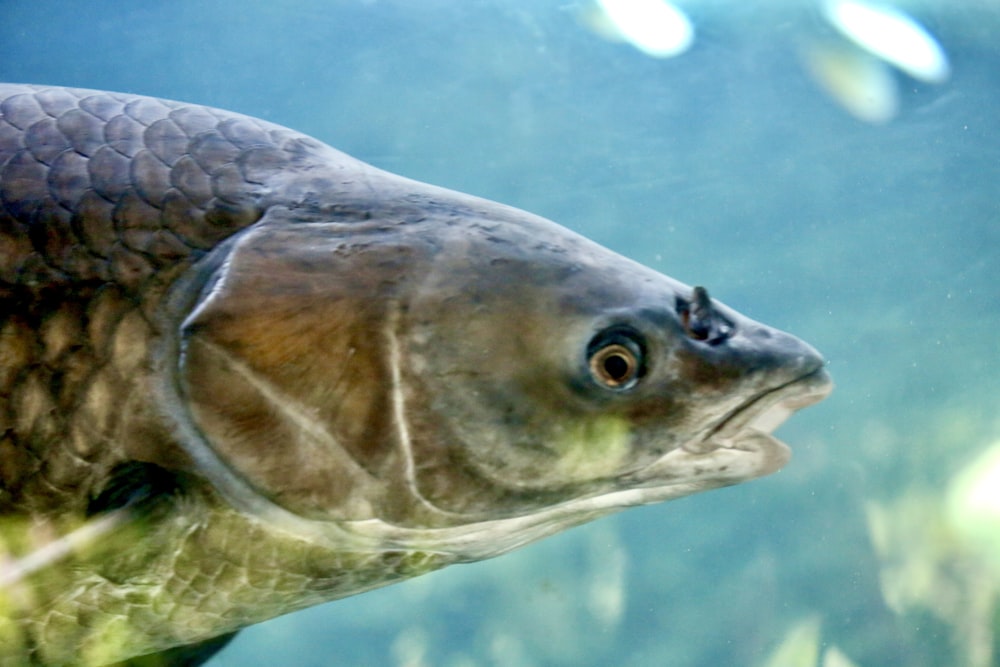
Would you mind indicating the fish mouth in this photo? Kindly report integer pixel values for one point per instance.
(759, 416)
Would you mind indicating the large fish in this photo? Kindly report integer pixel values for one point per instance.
(242, 373)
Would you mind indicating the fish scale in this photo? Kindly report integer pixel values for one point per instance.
(104, 200)
(138, 205)
(60, 397)
(242, 373)
(112, 195)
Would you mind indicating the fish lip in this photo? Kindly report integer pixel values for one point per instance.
(765, 411)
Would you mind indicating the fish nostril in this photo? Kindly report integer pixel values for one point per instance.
(700, 320)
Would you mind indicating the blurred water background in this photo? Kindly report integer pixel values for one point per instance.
(737, 164)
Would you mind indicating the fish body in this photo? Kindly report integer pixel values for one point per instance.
(242, 373)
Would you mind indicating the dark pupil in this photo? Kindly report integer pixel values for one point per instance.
(617, 367)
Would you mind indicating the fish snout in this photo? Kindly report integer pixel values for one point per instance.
(743, 373)
(727, 344)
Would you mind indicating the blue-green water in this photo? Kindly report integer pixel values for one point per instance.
(726, 166)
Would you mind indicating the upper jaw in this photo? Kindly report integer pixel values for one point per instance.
(763, 412)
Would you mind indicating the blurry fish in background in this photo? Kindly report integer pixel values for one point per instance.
(892, 36)
(856, 72)
(857, 75)
(864, 86)
(655, 27)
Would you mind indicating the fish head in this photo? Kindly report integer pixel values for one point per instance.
(555, 369)
(448, 362)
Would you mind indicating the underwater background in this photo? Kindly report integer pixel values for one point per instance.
(741, 164)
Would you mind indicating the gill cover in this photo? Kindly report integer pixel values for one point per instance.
(474, 363)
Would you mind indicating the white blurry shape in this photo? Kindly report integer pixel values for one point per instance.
(410, 648)
(834, 657)
(859, 83)
(606, 583)
(799, 647)
(891, 35)
(655, 27)
(974, 502)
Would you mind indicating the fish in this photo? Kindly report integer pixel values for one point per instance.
(892, 35)
(655, 27)
(243, 373)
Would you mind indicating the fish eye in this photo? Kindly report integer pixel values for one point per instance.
(616, 358)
